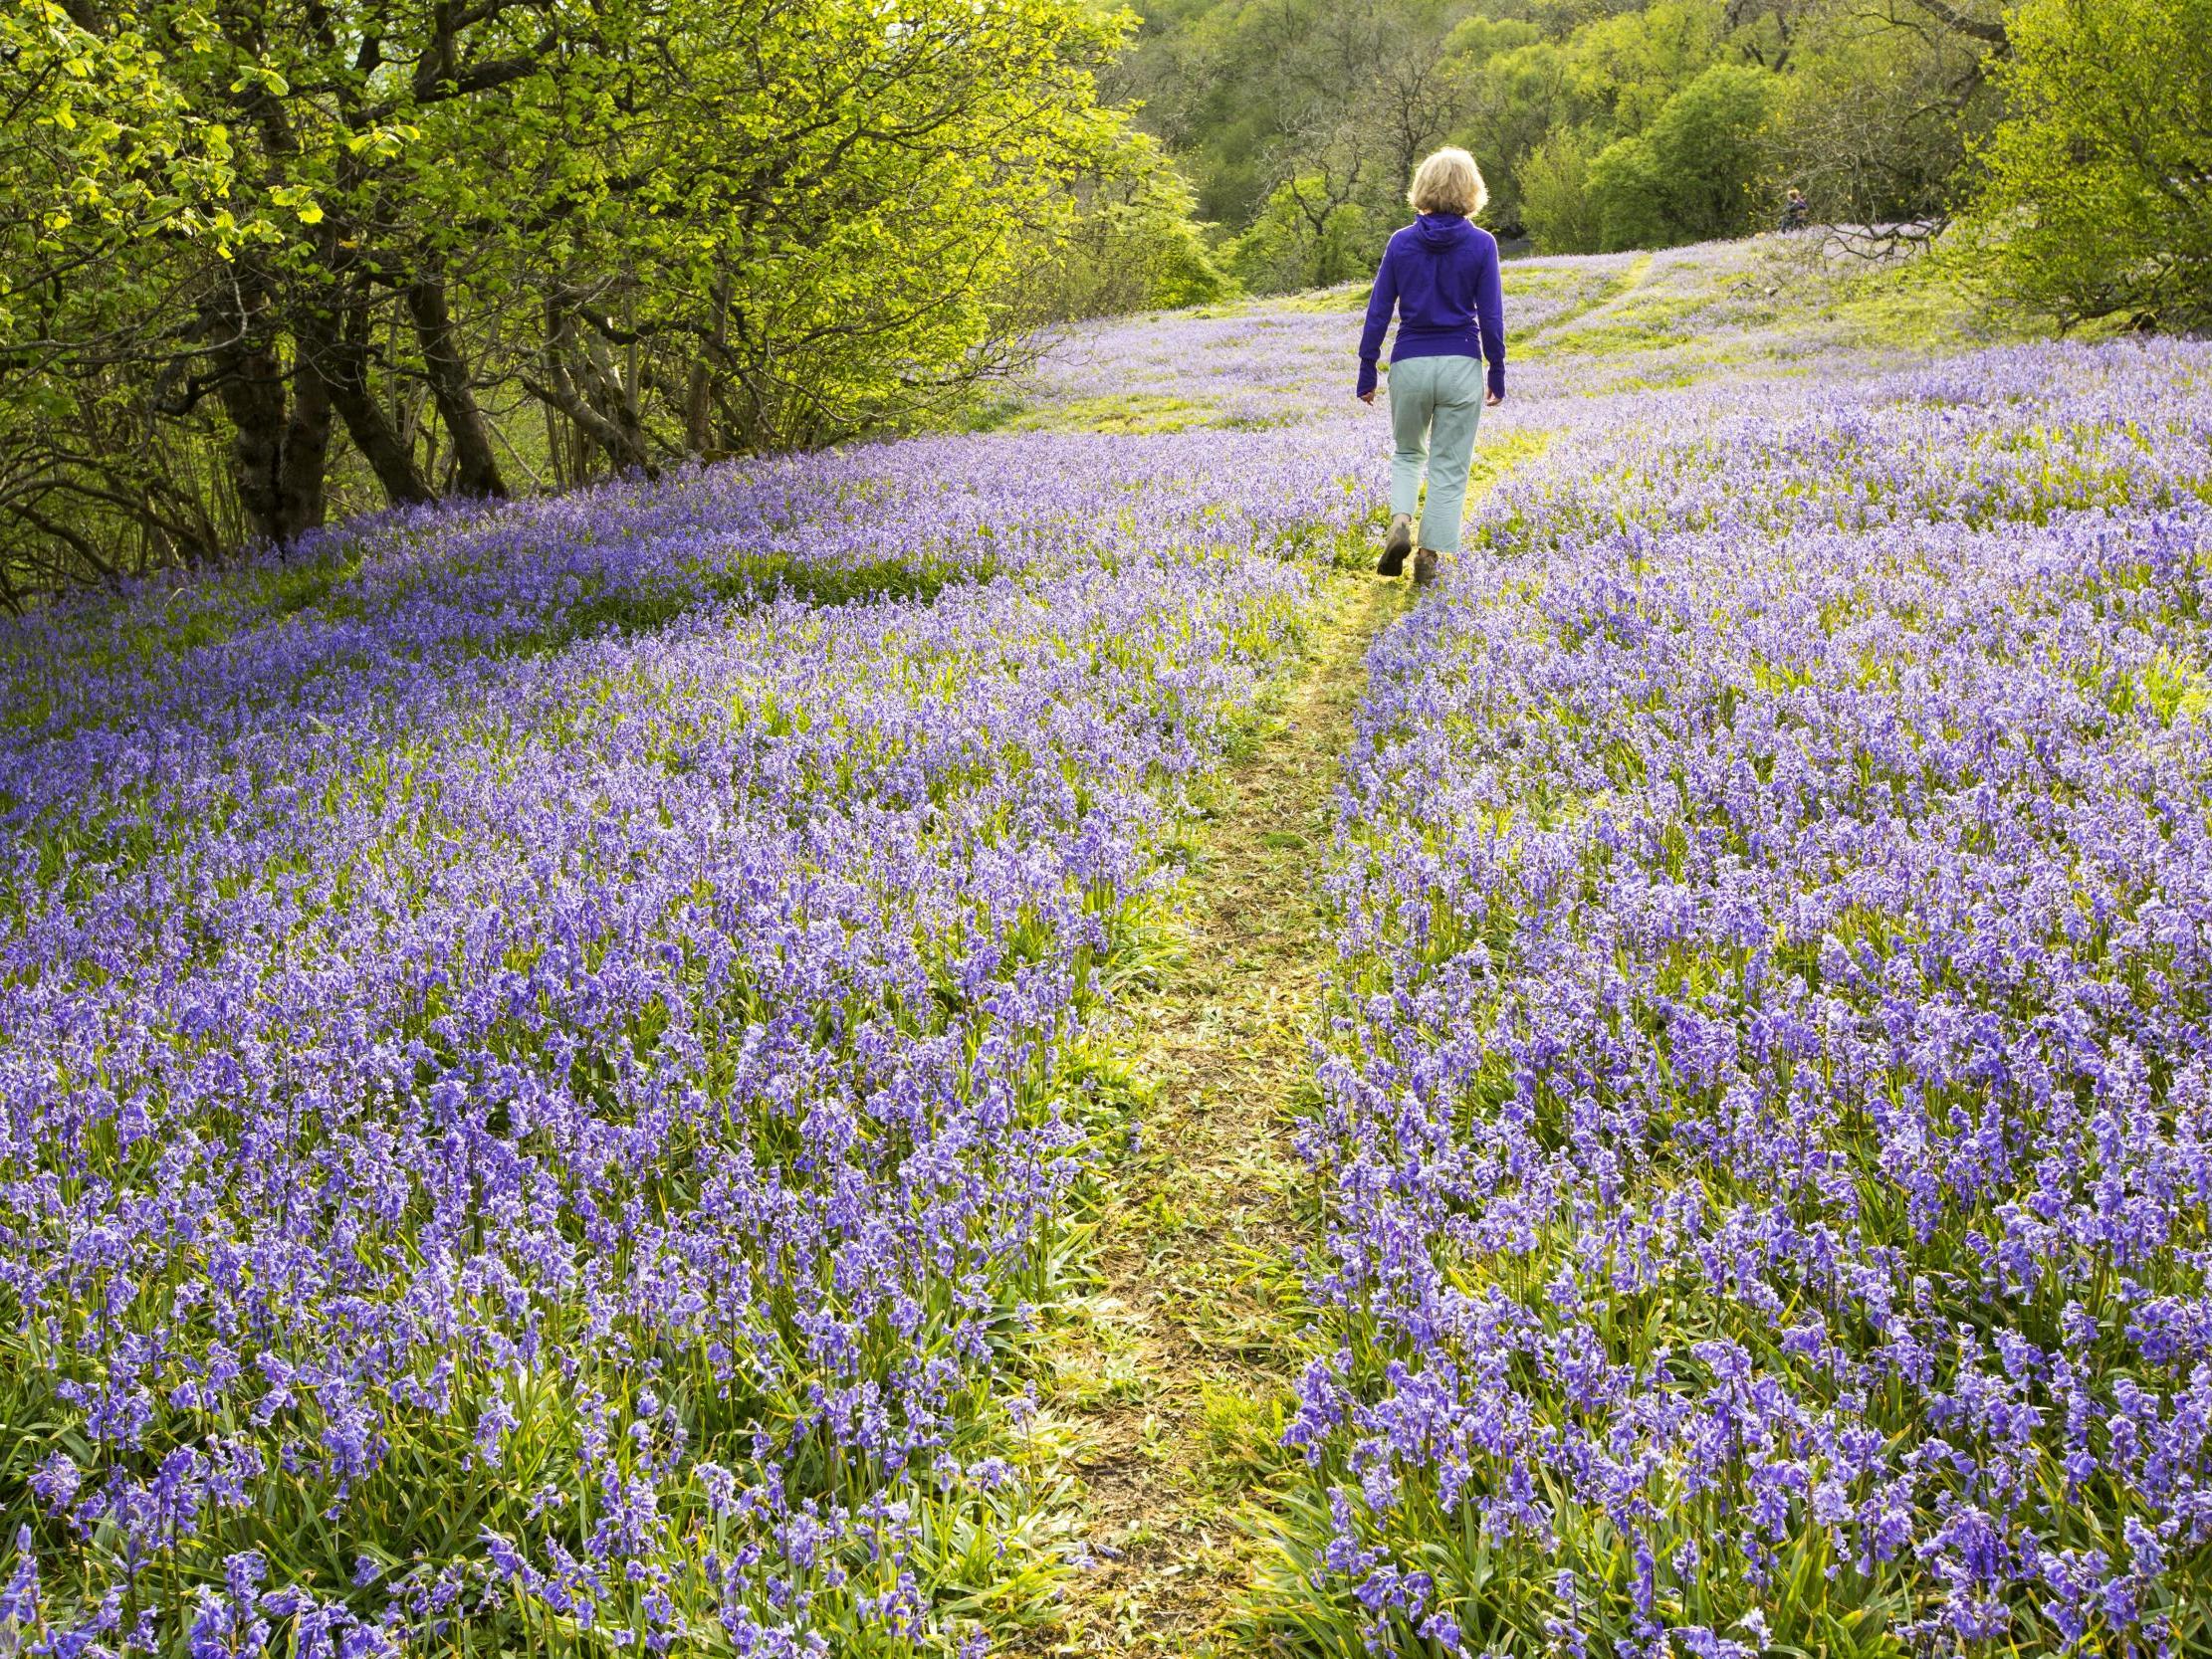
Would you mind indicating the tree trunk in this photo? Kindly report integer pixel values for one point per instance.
(582, 385)
(614, 394)
(476, 469)
(280, 422)
(252, 388)
(305, 461)
(699, 381)
(339, 354)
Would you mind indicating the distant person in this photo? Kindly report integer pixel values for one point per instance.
(1796, 210)
(1441, 272)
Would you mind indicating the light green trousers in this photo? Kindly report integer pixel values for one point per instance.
(1436, 404)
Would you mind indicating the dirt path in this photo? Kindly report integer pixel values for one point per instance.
(1174, 1375)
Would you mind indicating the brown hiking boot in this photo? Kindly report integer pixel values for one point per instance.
(1425, 566)
(1395, 546)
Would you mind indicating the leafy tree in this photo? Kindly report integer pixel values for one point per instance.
(1135, 245)
(1474, 40)
(1304, 237)
(1690, 175)
(1881, 111)
(1255, 94)
(1517, 97)
(1629, 65)
(1710, 140)
(2096, 200)
(1609, 76)
(1629, 196)
(1557, 207)
(276, 257)
(102, 158)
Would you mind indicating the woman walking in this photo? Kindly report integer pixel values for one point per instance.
(1441, 272)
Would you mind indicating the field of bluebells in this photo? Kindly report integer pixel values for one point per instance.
(1768, 1097)
(541, 1047)
(546, 1052)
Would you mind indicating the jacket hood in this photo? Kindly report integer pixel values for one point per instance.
(1439, 231)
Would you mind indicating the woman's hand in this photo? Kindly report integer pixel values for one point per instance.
(1366, 397)
(1492, 399)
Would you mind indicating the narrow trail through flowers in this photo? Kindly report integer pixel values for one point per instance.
(1176, 1371)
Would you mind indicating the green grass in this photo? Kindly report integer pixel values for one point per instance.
(1130, 413)
(1644, 320)
(1919, 306)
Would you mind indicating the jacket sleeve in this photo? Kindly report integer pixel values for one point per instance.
(1380, 304)
(1489, 315)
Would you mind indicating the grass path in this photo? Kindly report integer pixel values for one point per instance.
(1620, 288)
(1170, 1380)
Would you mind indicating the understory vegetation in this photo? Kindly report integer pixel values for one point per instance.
(1765, 1086)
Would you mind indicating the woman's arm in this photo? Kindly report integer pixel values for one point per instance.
(1380, 305)
(1489, 315)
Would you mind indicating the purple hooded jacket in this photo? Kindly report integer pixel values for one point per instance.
(1441, 272)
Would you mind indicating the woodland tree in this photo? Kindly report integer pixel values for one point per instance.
(2097, 198)
(263, 257)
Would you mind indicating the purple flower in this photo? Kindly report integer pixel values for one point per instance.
(19, 1600)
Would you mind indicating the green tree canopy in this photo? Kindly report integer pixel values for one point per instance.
(1869, 106)
(2097, 199)
(262, 256)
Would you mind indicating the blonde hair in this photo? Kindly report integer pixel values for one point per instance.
(1448, 182)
